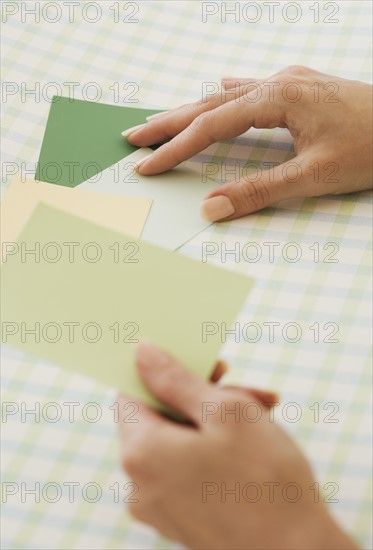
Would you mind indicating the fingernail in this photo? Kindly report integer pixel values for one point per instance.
(150, 117)
(221, 367)
(141, 163)
(272, 395)
(150, 356)
(217, 208)
(129, 131)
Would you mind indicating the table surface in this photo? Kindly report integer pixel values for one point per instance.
(160, 54)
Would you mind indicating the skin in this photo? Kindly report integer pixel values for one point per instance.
(330, 119)
(171, 463)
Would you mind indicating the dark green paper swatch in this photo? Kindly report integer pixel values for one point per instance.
(83, 138)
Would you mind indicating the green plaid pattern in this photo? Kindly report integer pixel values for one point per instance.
(168, 54)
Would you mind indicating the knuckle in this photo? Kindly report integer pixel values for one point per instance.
(296, 70)
(129, 464)
(234, 400)
(133, 461)
(172, 150)
(232, 415)
(202, 122)
(254, 196)
(211, 101)
(167, 380)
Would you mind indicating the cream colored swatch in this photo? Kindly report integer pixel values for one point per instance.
(123, 214)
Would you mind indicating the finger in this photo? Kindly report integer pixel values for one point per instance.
(230, 82)
(221, 368)
(169, 112)
(268, 398)
(252, 193)
(156, 115)
(135, 418)
(225, 122)
(144, 432)
(172, 384)
(164, 126)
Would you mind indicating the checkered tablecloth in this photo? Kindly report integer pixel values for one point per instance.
(159, 54)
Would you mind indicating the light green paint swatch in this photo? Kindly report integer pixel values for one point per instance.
(134, 290)
(177, 194)
(82, 138)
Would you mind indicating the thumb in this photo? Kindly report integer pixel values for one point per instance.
(256, 191)
(172, 384)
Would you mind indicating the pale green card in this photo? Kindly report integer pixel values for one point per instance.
(177, 194)
(91, 293)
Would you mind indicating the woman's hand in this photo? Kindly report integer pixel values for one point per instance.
(231, 478)
(330, 119)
